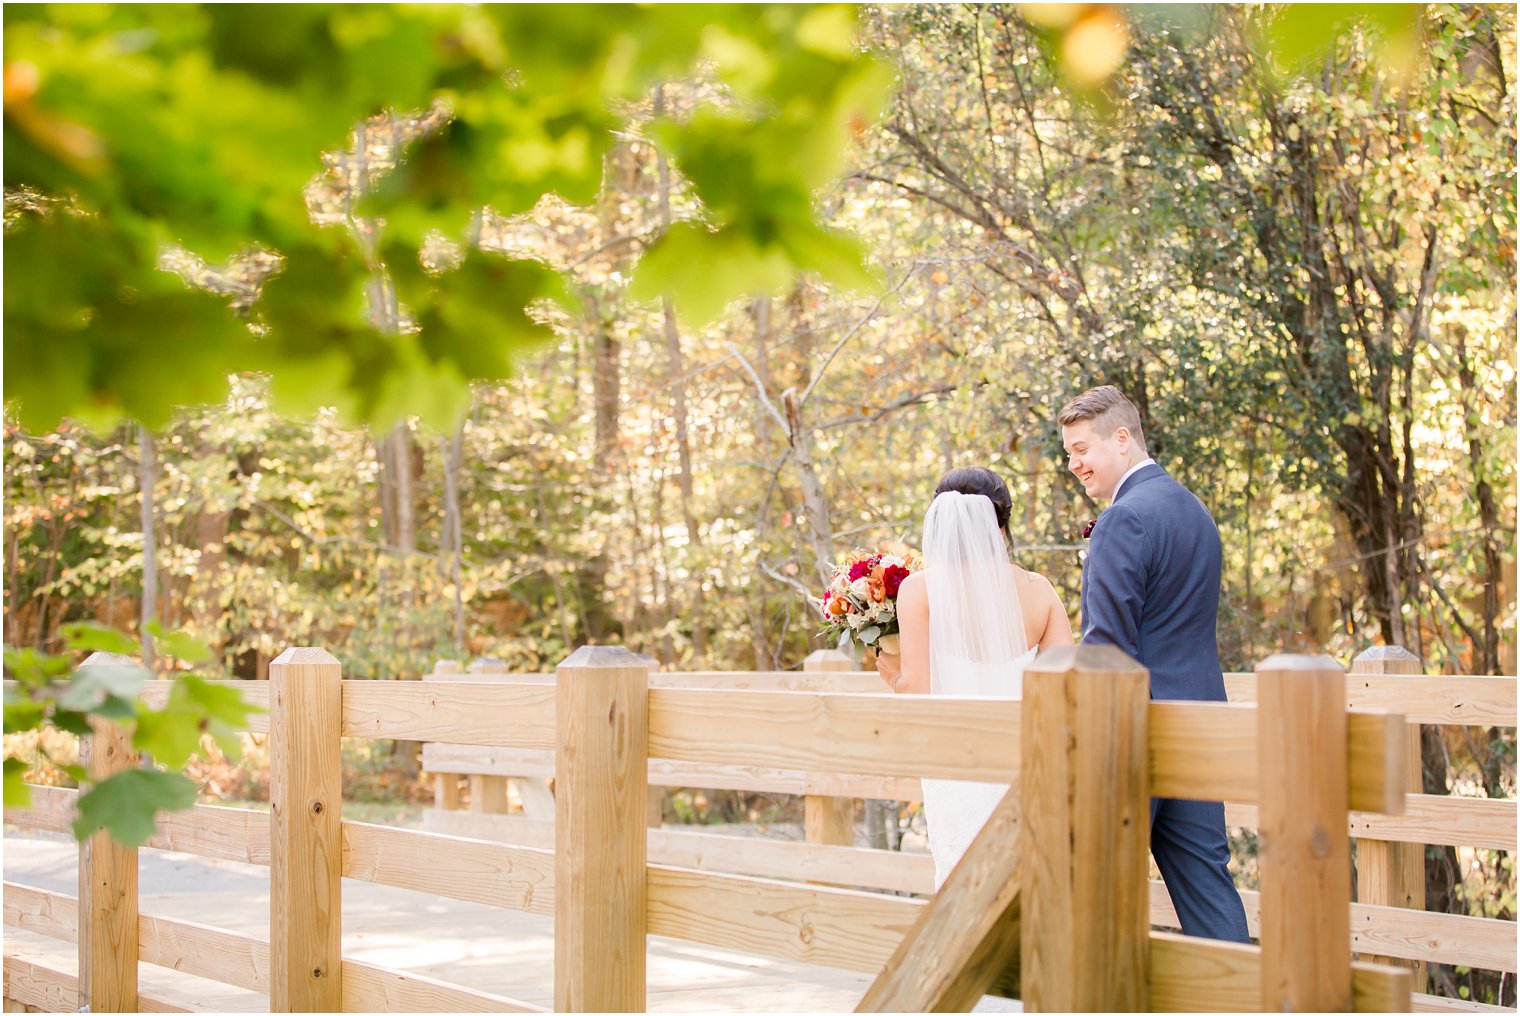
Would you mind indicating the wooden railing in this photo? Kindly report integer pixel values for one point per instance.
(604, 727)
(1388, 923)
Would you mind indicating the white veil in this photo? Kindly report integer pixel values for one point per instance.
(976, 624)
(977, 646)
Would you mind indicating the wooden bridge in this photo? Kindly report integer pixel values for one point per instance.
(1052, 903)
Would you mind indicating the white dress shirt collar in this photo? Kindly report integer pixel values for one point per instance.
(1130, 472)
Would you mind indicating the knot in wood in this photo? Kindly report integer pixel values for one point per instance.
(1319, 843)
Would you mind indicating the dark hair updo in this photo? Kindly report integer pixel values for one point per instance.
(983, 481)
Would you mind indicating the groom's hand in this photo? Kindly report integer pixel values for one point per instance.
(889, 666)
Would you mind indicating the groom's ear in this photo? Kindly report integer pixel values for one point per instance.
(1122, 436)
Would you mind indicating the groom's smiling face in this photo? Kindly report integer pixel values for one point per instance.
(1099, 462)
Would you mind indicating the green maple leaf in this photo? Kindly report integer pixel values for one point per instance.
(86, 636)
(179, 645)
(124, 804)
(171, 734)
(105, 691)
(17, 793)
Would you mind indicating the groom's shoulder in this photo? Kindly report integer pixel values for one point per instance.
(1162, 492)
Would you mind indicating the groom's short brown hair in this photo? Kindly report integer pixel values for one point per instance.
(1108, 410)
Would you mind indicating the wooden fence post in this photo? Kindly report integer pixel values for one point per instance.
(1393, 874)
(601, 873)
(305, 832)
(1305, 849)
(488, 794)
(108, 946)
(1085, 777)
(828, 820)
(446, 785)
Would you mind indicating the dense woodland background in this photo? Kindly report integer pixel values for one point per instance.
(1308, 287)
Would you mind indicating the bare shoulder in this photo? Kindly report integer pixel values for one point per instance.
(914, 586)
(1034, 582)
(1035, 587)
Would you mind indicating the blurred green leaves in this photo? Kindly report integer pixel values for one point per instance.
(1300, 35)
(50, 691)
(1087, 43)
(202, 125)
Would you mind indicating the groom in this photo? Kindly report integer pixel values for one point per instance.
(1151, 587)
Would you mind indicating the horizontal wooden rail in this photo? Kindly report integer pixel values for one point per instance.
(1198, 750)
(1428, 818)
(483, 760)
(1446, 699)
(522, 878)
(812, 924)
(1482, 942)
(233, 834)
(54, 915)
(1437, 1003)
(516, 878)
(885, 870)
(1451, 700)
(371, 988)
(1199, 975)
(518, 716)
(243, 961)
(838, 928)
(206, 830)
(241, 834)
(213, 953)
(52, 810)
(37, 981)
(837, 732)
(1441, 699)
(730, 680)
(255, 693)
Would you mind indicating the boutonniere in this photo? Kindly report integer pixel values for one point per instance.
(1087, 529)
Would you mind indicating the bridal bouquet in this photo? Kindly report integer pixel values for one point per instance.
(860, 603)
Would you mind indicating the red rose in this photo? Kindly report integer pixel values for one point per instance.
(893, 577)
(859, 570)
(1087, 529)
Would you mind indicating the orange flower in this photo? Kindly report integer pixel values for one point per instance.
(839, 606)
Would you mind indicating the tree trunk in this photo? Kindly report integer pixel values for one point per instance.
(1486, 653)
(765, 658)
(403, 462)
(453, 530)
(606, 385)
(815, 500)
(678, 407)
(147, 480)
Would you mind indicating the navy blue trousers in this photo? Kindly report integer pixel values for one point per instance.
(1189, 844)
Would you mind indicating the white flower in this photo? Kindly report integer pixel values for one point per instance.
(856, 620)
(891, 559)
(861, 588)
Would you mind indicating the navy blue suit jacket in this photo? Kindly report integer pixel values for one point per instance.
(1151, 585)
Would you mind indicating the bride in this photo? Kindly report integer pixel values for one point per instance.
(970, 622)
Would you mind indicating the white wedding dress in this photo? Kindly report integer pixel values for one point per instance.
(956, 810)
(977, 647)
